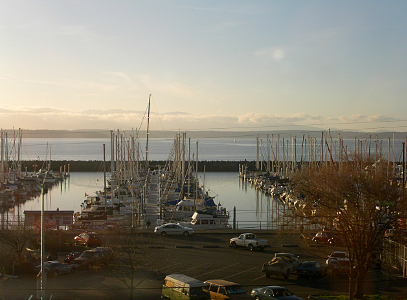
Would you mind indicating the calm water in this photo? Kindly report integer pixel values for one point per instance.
(228, 189)
(209, 149)
(159, 149)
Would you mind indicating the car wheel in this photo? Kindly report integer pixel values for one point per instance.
(251, 248)
(186, 233)
(234, 245)
(56, 273)
(316, 241)
(163, 233)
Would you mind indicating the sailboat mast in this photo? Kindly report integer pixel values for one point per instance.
(148, 126)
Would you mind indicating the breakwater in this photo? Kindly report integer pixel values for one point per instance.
(99, 166)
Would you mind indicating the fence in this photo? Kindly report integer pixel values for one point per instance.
(395, 255)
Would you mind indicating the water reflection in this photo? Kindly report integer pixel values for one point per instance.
(253, 208)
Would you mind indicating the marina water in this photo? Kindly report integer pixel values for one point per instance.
(253, 208)
(251, 205)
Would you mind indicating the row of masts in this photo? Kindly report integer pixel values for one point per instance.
(284, 156)
(10, 156)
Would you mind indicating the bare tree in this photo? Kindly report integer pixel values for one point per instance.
(134, 261)
(13, 242)
(361, 199)
(16, 238)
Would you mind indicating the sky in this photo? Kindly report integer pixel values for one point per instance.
(208, 65)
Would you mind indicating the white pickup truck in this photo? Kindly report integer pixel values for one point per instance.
(250, 241)
(282, 264)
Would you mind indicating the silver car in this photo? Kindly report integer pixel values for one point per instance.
(173, 228)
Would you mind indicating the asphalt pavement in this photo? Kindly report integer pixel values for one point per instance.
(203, 256)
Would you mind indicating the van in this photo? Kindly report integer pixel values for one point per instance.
(183, 287)
(222, 289)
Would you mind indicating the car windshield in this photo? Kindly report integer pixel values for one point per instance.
(197, 291)
(235, 290)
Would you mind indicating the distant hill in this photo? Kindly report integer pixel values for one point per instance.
(97, 133)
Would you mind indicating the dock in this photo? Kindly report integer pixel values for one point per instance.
(152, 204)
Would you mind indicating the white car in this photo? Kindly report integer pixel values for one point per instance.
(336, 258)
(173, 228)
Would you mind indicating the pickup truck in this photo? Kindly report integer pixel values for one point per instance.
(250, 241)
(282, 264)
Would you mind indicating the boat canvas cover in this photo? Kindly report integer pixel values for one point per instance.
(174, 202)
(181, 280)
(209, 202)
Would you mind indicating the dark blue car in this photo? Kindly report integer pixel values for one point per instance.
(312, 269)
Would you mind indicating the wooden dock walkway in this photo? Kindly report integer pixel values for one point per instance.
(152, 204)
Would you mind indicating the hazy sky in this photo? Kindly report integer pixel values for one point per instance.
(227, 65)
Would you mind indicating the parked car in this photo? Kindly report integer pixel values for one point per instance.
(183, 287)
(322, 237)
(341, 268)
(311, 269)
(173, 228)
(273, 293)
(250, 241)
(282, 264)
(335, 257)
(336, 240)
(89, 239)
(55, 268)
(90, 258)
(108, 253)
(222, 289)
(328, 237)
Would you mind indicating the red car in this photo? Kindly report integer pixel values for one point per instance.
(89, 258)
(89, 239)
(322, 237)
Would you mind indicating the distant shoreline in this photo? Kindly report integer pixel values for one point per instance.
(98, 133)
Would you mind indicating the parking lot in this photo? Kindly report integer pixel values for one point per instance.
(203, 256)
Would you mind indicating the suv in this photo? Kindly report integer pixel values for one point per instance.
(89, 258)
(222, 289)
(183, 287)
(107, 252)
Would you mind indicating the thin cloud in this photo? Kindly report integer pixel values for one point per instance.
(119, 74)
(50, 118)
(274, 53)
